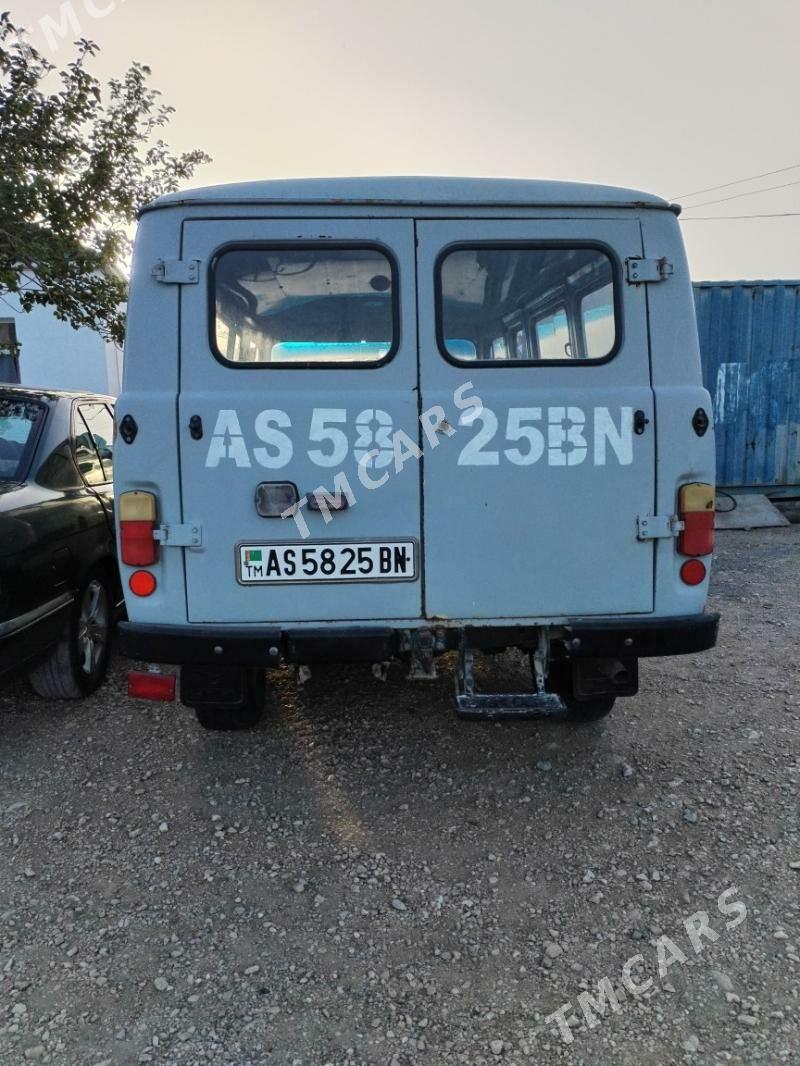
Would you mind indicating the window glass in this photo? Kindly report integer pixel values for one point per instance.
(552, 336)
(94, 434)
(17, 420)
(597, 316)
(564, 297)
(304, 306)
(520, 344)
(499, 348)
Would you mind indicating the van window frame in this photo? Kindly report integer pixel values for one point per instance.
(327, 245)
(530, 245)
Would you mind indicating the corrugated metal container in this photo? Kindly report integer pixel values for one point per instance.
(750, 349)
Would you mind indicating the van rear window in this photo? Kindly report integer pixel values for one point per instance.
(527, 304)
(304, 306)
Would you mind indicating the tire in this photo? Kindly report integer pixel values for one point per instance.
(591, 710)
(77, 665)
(220, 718)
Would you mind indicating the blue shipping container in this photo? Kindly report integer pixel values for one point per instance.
(750, 349)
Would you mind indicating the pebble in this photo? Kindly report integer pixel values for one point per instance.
(794, 865)
(34, 1053)
(722, 980)
(496, 1047)
(398, 905)
(299, 886)
(747, 1019)
(690, 815)
(544, 765)
(552, 950)
(691, 1044)
(627, 770)
(161, 984)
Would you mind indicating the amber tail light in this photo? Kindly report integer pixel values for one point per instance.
(137, 523)
(696, 511)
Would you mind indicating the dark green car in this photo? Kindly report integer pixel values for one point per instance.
(59, 586)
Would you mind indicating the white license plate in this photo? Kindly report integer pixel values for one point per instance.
(279, 564)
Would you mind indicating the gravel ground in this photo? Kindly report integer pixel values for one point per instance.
(366, 879)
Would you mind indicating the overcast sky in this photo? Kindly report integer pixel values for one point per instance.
(670, 98)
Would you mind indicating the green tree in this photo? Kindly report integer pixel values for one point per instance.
(77, 161)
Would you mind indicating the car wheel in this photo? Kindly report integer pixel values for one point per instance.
(76, 666)
(591, 710)
(244, 716)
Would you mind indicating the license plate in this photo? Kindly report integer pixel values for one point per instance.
(285, 564)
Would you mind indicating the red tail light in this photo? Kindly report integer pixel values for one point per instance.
(696, 511)
(151, 686)
(137, 520)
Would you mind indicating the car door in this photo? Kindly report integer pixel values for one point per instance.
(531, 505)
(298, 367)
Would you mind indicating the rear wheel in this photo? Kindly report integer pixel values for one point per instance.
(221, 717)
(591, 710)
(76, 666)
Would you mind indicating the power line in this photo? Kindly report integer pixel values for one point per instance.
(741, 181)
(739, 195)
(722, 218)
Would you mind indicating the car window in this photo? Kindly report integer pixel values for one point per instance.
(18, 419)
(94, 436)
(304, 306)
(527, 304)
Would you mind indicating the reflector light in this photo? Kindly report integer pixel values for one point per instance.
(137, 520)
(144, 686)
(693, 572)
(696, 511)
(142, 583)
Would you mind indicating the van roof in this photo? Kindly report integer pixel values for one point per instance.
(479, 192)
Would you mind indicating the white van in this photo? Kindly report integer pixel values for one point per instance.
(386, 418)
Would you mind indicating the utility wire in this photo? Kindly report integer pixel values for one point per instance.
(739, 195)
(741, 181)
(723, 218)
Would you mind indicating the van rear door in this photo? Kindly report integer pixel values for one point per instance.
(298, 365)
(530, 507)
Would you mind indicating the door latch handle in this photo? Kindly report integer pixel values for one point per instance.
(332, 501)
(640, 422)
(196, 427)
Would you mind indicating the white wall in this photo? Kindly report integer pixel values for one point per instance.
(56, 356)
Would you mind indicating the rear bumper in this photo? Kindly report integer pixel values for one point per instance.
(271, 645)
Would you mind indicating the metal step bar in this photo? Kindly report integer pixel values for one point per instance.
(506, 705)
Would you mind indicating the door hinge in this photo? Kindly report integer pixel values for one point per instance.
(638, 270)
(655, 527)
(189, 535)
(177, 271)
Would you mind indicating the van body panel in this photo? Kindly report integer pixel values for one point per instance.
(683, 455)
(500, 546)
(550, 537)
(150, 390)
(241, 405)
